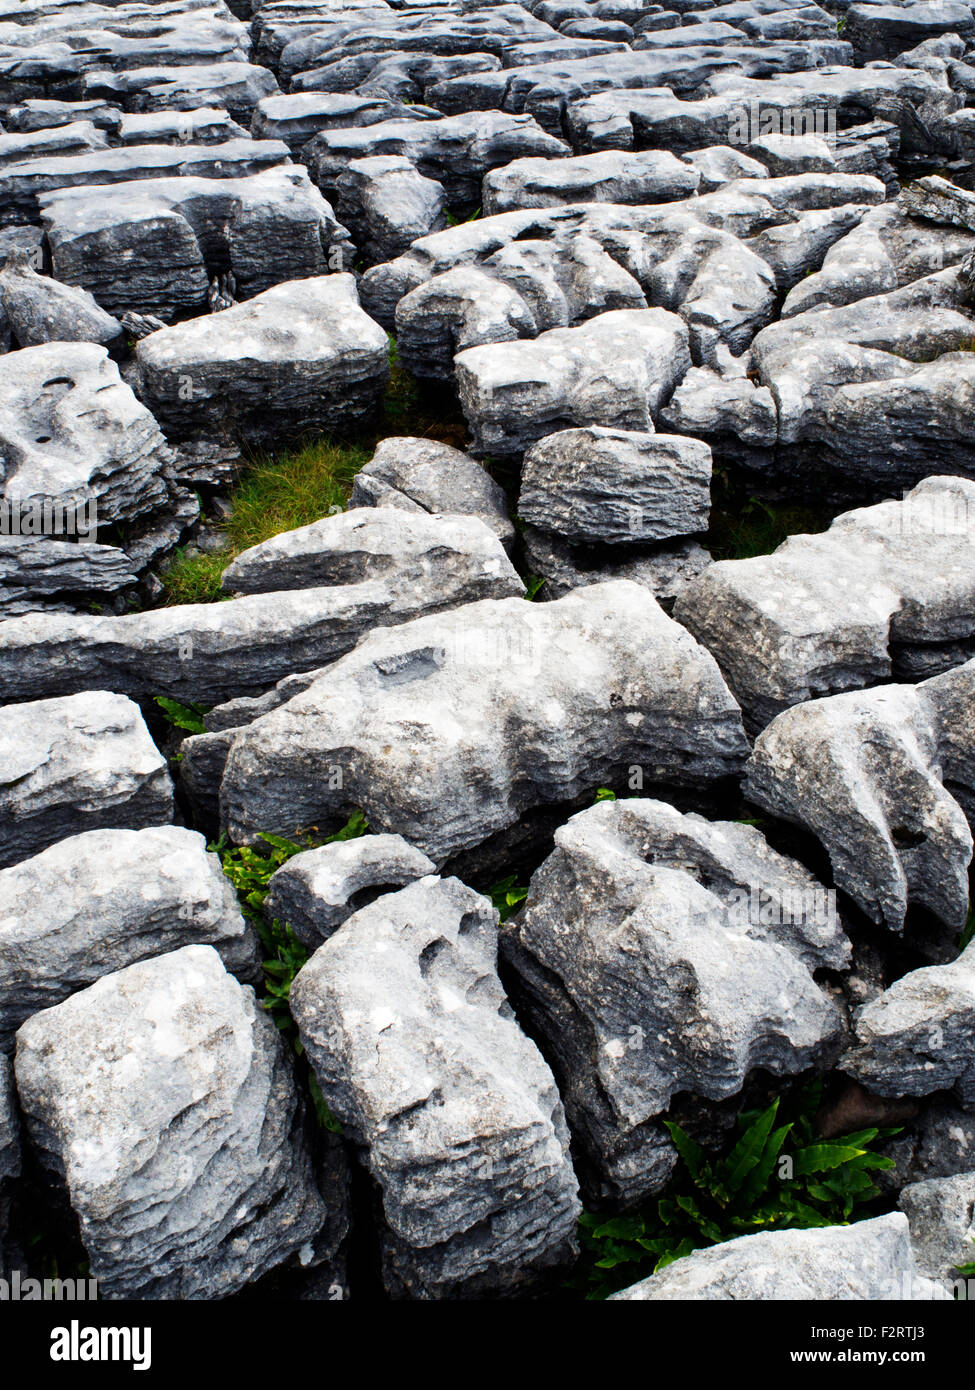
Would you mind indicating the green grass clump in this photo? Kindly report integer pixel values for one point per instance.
(742, 527)
(774, 1178)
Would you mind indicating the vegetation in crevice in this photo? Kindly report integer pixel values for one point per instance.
(250, 870)
(774, 1177)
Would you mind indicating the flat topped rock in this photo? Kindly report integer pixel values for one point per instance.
(868, 1261)
(164, 1096)
(301, 356)
(825, 613)
(101, 900)
(81, 762)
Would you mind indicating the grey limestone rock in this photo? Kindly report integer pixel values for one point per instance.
(336, 579)
(82, 762)
(164, 1098)
(317, 890)
(72, 433)
(615, 371)
(386, 205)
(41, 310)
(577, 677)
(870, 1261)
(832, 612)
(611, 485)
(652, 176)
(96, 902)
(429, 476)
(418, 1053)
(301, 356)
(916, 1038)
(661, 953)
(877, 776)
(941, 1212)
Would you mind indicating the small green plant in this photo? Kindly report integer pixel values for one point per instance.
(605, 794)
(775, 1177)
(250, 870)
(533, 584)
(188, 717)
(506, 894)
(841, 24)
(192, 578)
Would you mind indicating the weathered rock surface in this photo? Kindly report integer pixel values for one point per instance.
(386, 205)
(72, 431)
(316, 891)
(99, 901)
(164, 1097)
(425, 475)
(726, 934)
(877, 776)
(594, 683)
(145, 246)
(664, 569)
(83, 762)
(615, 371)
(417, 1052)
(40, 310)
(916, 1038)
(35, 571)
(886, 589)
(653, 176)
(335, 580)
(941, 1213)
(614, 485)
(300, 357)
(869, 1261)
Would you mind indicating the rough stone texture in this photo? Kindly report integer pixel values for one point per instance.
(83, 762)
(145, 246)
(337, 579)
(163, 1096)
(663, 569)
(10, 1160)
(447, 729)
(40, 310)
(99, 901)
(425, 475)
(917, 1037)
(615, 371)
(35, 569)
(447, 560)
(877, 776)
(619, 486)
(653, 176)
(316, 891)
(71, 430)
(300, 357)
(870, 1261)
(938, 1144)
(386, 205)
(418, 1053)
(884, 586)
(661, 953)
(941, 1213)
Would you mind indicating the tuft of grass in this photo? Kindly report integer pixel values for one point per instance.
(194, 578)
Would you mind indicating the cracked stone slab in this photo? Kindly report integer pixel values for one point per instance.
(659, 953)
(941, 1213)
(840, 610)
(96, 902)
(82, 762)
(417, 1051)
(164, 1097)
(447, 729)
